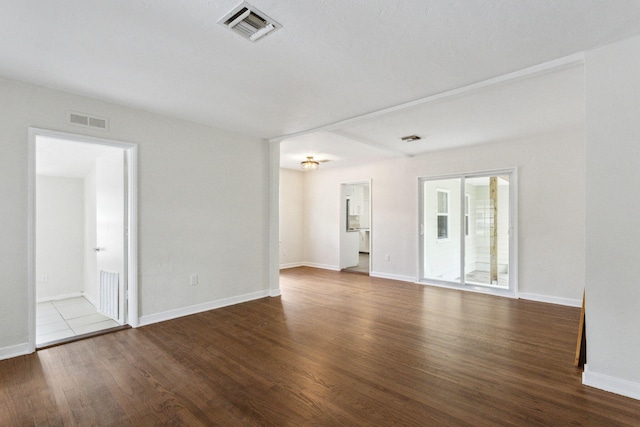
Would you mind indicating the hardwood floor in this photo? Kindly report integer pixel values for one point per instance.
(335, 349)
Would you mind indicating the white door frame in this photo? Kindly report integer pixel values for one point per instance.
(131, 151)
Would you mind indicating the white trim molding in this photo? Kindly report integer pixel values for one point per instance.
(291, 265)
(611, 384)
(322, 266)
(275, 292)
(15, 351)
(570, 302)
(273, 241)
(199, 308)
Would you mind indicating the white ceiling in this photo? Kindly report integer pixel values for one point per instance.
(539, 104)
(331, 60)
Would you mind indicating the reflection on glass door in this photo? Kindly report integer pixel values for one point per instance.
(465, 230)
(441, 229)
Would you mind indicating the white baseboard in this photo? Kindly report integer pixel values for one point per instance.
(91, 300)
(611, 384)
(322, 266)
(199, 308)
(550, 299)
(274, 292)
(59, 297)
(291, 265)
(14, 351)
(392, 276)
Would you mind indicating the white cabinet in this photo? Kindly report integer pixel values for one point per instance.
(356, 206)
(358, 197)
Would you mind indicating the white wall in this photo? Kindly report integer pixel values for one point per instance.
(60, 236)
(551, 209)
(612, 227)
(203, 206)
(291, 218)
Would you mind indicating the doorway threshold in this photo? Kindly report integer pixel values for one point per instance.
(75, 338)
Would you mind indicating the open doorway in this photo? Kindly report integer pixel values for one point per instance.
(82, 208)
(355, 227)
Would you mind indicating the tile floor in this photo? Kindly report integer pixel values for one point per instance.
(56, 320)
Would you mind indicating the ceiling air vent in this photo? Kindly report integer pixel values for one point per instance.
(410, 138)
(85, 120)
(249, 22)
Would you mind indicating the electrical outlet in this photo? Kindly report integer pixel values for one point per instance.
(44, 278)
(387, 257)
(193, 279)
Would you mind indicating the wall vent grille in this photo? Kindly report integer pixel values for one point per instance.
(85, 120)
(249, 22)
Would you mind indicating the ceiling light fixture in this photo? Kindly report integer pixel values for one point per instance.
(309, 164)
(410, 138)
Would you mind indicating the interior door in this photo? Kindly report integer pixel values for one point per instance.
(349, 240)
(110, 227)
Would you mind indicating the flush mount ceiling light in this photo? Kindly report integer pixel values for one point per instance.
(309, 164)
(410, 138)
(249, 22)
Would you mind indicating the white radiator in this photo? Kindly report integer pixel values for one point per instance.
(109, 294)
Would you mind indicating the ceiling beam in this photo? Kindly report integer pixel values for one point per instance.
(557, 64)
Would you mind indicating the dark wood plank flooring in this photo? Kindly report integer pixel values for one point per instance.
(335, 349)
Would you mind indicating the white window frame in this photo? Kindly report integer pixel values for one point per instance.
(443, 214)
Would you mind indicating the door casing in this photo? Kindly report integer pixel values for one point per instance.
(131, 267)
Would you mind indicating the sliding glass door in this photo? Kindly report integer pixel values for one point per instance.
(441, 229)
(466, 232)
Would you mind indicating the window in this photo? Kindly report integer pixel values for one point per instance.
(443, 214)
(466, 214)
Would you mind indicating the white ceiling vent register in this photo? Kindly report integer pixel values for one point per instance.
(87, 121)
(249, 22)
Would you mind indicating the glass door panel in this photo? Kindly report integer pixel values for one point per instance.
(486, 260)
(440, 228)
